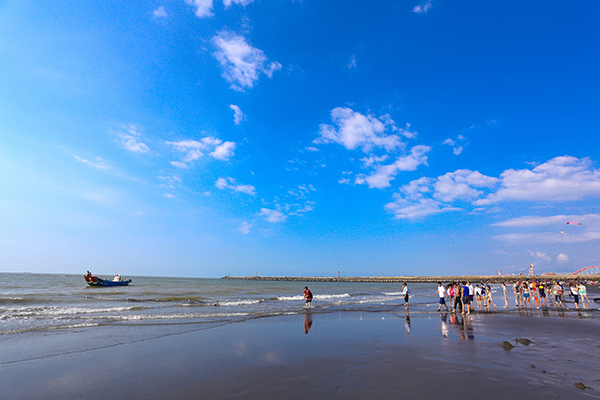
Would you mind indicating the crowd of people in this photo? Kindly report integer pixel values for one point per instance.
(464, 296)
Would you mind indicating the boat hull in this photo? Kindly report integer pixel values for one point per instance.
(96, 281)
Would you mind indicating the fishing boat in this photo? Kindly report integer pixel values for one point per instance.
(97, 281)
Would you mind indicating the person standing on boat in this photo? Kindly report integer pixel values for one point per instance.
(308, 296)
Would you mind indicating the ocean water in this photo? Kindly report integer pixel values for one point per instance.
(47, 302)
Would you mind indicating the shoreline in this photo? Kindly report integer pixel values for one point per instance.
(420, 279)
(353, 355)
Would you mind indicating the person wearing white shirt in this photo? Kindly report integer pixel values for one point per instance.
(441, 292)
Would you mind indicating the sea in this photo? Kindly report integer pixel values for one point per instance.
(50, 302)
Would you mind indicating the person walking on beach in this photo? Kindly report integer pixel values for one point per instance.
(471, 296)
(575, 294)
(442, 294)
(405, 294)
(465, 299)
(558, 292)
(542, 292)
(457, 297)
(308, 296)
(583, 294)
(505, 294)
(526, 295)
(518, 293)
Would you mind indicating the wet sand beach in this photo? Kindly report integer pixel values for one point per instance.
(349, 355)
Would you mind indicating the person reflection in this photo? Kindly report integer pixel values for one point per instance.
(444, 317)
(307, 322)
(467, 328)
(407, 324)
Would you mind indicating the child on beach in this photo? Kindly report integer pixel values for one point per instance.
(442, 294)
(488, 298)
(308, 296)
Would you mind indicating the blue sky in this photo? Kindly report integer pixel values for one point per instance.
(215, 137)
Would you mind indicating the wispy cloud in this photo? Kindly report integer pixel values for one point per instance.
(423, 7)
(352, 63)
(242, 63)
(273, 216)
(228, 3)
(231, 184)
(130, 139)
(539, 255)
(160, 12)
(238, 115)
(245, 228)
(98, 163)
(383, 174)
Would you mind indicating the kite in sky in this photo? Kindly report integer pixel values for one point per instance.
(574, 223)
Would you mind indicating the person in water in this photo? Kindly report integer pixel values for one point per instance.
(405, 294)
(308, 296)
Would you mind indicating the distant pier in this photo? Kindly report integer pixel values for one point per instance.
(420, 279)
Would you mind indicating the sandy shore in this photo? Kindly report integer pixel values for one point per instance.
(349, 355)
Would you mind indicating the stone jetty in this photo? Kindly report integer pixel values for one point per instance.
(421, 279)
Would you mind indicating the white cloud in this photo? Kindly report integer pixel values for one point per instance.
(357, 130)
(352, 63)
(457, 150)
(245, 228)
(562, 258)
(273, 216)
(230, 184)
(461, 185)
(242, 64)
(312, 149)
(160, 12)
(539, 255)
(423, 7)
(203, 8)
(224, 151)
(169, 196)
(129, 139)
(228, 3)
(383, 174)
(238, 115)
(560, 179)
(194, 149)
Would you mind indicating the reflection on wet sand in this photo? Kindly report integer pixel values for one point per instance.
(307, 322)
